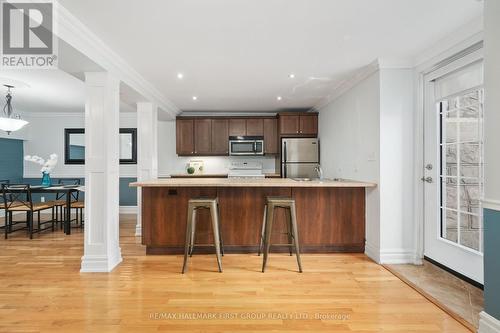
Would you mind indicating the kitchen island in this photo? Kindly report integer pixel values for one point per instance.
(330, 214)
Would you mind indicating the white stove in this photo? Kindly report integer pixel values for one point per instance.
(245, 170)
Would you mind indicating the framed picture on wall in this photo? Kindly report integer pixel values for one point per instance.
(74, 146)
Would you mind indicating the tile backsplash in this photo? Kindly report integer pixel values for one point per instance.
(220, 164)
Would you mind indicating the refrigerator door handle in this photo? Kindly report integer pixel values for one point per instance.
(284, 159)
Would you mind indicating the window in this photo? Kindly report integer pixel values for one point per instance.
(461, 123)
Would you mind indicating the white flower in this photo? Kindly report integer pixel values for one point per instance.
(47, 166)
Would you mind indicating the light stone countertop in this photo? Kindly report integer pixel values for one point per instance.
(246, 182)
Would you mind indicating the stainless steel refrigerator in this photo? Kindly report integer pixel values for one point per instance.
(299, 158)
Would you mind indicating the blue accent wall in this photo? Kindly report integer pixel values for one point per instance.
(11, 168)
(11, 159)
(492, 262)
(128, 195)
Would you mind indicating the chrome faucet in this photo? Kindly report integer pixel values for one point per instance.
(319, 171)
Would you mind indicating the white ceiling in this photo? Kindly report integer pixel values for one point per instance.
(237, 54)
(44, 91)
(61, 90)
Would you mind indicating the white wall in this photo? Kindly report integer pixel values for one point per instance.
(367, 134)
(350, 136)
(46, 136)
(492, 104)
(397, 165)
(169, 163)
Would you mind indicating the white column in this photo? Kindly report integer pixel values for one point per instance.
(102, 250)
(147, 150)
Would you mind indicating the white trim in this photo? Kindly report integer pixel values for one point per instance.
(491, 204)
(75, 33)
(488, 323)
(343, 86)
(99, 264)
(468, 34)
(128, 209)
(398, 256)
(395, 63)
(444, 50)
(372, 252)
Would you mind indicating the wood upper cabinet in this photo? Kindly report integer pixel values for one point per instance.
(305, 124)
(184, 136)
(237, 127)
(202, 136)
(210, 135)
(289, 124)
(255, 127)
(270, 136)
(308, 124)
(220, 136)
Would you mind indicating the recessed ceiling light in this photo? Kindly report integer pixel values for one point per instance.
(291, 76)
(195, 98)
(180, 76)
(279, 98)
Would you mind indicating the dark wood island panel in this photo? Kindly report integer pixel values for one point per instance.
(330, 219)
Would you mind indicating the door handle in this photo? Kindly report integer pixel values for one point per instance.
(427, 179)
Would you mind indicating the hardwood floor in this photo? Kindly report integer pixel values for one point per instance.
(41, 290)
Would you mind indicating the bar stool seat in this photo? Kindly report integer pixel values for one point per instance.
(211, 204)
(291, 225)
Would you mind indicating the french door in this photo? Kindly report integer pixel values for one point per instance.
(453, 158)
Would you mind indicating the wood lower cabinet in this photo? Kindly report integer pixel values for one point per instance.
(328, 219)
(220, 136)
(202, 136)
(255, 127)
(184, 136)
(237, 127)
(271, 144)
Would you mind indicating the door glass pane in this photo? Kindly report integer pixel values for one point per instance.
(462, 168)
(450, 232)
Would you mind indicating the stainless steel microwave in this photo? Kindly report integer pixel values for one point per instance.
(246, 145)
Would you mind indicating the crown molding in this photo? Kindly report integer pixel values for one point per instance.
(75, 33)
(395, 63)
(347, 84)
(467, 35)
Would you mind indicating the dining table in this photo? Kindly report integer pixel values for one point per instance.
(67, 190)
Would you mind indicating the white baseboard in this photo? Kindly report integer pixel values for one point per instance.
(488, 324)
(128, 209)
(392, 256)
(372, 252)
(99, 263)
(138, 230)
(398, 256)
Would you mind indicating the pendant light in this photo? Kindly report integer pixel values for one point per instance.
(10, 122)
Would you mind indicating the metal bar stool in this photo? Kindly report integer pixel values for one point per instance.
(291, 225)
(193, 205)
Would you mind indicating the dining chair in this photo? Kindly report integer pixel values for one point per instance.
(2, 202)
(60, 201)
(18, 198)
